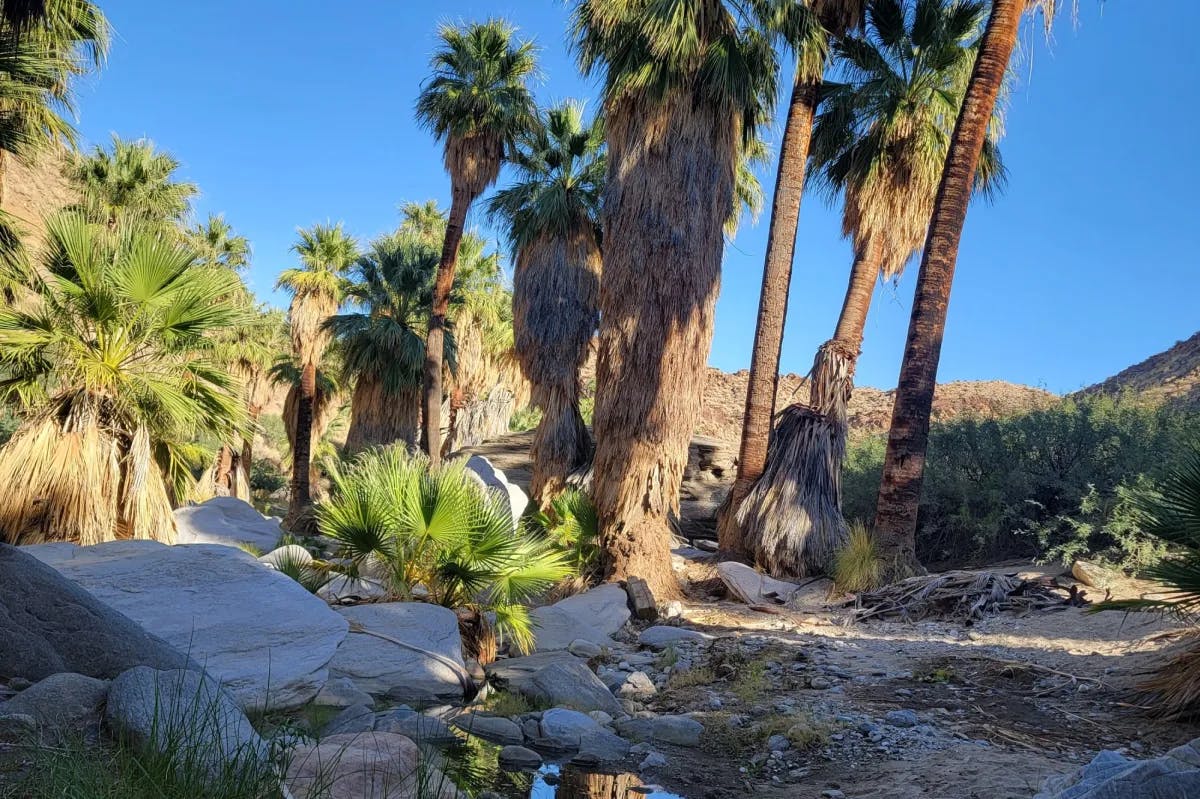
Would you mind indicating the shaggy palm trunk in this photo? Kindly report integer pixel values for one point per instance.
(579, 784)
(254, 410)
(772, 310)
(301, 498)
(431, 438)
(669, 192)
(379, 417)
(904, 463)
(793, 514)
(555, 292)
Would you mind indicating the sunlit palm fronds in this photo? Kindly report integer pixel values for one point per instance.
(131, 183)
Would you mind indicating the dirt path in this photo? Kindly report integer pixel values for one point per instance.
(998, 705)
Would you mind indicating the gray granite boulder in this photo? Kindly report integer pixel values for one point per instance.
(518, 757)
(228, 521)
(678, 730)
(572, 685)
(1175, 775)
(63, 705)
(253, 629)
(591, 616)
(341, 692)
(378, 765)
(493, 479)
(426, 666)
(418, 727)
(572, 730)
(49, 624)
(662, 636)
(495, 729)
(187, 716)
(356, 718)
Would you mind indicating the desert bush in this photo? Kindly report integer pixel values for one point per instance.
(266, 477)
(439, 529)
(857, 566)
(1053, 483)
(523, 419)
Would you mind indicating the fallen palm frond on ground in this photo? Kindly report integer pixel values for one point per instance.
(962, 595)
(1173, 692)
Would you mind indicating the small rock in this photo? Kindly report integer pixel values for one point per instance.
(820, 683)
(678, 730)
(661, 636)
(496, 729)
(17, 728)
(581, 647)
(674, 609)
(63, 705)
(832, 793)
(341, 692)
(1091, 574)
(356, 718)
(601, 718)
(637, 685)
(417, 727)
(902, 718)
(518, 757)
(652, 761)
(778, 743)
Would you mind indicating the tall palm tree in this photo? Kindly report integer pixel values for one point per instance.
(326, 252)
(904, 462)
(476, 103)
(44, 46)
(806, 28)
(382, 343)
(424, 220)
(880, 141)
(218, 245)
(685, 86)
(111, 353)
(552, 216)
(132, 183)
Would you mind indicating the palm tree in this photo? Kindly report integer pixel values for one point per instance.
(425, 221)
(43, 47)
(326, 252)
(685, 86)
(132, 184)
(904, 462)
(880, 140)
(218, 245)
(382, 345)
(806, 28)
(476, 103)
(111, 353)
(552, 216)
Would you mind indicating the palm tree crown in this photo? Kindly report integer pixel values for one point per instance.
(218, 245)
(477, 100)
(326, 252)
(133, 183)
(885, 126)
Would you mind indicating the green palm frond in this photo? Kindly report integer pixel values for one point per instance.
(129, 184)
(217, 244)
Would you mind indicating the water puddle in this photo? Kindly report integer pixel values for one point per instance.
(567, 782)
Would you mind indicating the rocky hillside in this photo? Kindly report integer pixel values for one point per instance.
(870, 408)
(1172, 376)
(34, 191)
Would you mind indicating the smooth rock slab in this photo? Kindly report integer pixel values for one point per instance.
(49, 625)
(400, 672)
(518, 757)
(63, 705)
(377, 765)
(186, 715)
(662, 636)
(572, 685)
(341, 692)
(252, 628)
(496, 729)
(592, 616)
(570, 729)
(418, 727)
(493, 479)
(678, 730)
(227, 521)
(752, 587)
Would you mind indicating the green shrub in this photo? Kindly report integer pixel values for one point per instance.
(266, 478)
(438, 528)
(526, 418)
(570, 522)
(1052, 483)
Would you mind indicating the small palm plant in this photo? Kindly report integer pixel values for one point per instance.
(1174, 516)
(110, 349)
(438, 529)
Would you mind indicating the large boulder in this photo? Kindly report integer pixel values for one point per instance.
(229, 521)
(49, 625)
(1110, 775)
(252, 628)
(493, 479)
(592, 616)
(63, 705)
(186, 716)
(678, 730)
(403, 651)
(380, 765)
(572, 685)
(570, 729)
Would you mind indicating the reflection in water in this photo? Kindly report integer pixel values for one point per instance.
(572, 783)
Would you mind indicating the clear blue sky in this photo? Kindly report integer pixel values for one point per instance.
(290, 112)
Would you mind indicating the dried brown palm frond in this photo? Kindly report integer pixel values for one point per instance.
(379, 417)
(69, 474)
(960, 595)
(474, 160)
(791, 517)
(1173, 692)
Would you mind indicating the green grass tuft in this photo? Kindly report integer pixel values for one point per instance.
(857, 567)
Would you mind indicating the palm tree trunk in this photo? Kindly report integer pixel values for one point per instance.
(379, 418)
(254, 411)
(670, 185)
(853, 319)
(772, 309)
(301, 498)
(904, 463)
(435, 340)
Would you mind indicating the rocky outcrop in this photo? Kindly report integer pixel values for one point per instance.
(265, 638)
(228, 521)
(49, 624)
(592, 616)
(1171, 376)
